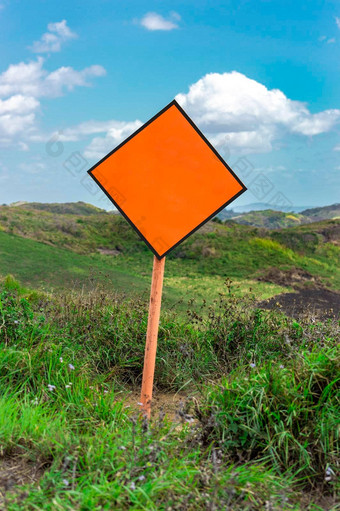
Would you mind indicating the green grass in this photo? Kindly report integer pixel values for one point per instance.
(46, 267)
(287, 415)
(107, 336)
(260, 428)
(217, 250)
(102, 458)
(262, 436)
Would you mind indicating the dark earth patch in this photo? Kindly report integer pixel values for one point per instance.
(294, 277)
(320, 302)
(15, 472)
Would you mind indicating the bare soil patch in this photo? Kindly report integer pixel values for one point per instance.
(108, 251)
(310, 295)
(324, 502)
(294, 277)
(320, 302)
(15, 472)
(172, 405)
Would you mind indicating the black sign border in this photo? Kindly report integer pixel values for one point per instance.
(173, 103)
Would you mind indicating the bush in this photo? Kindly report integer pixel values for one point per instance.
(107, 335)
(288, 416)
(238, 330)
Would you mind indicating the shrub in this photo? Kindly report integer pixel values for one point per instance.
(237, 330)
(286, 416)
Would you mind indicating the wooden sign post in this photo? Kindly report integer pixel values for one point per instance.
(152, 334)
(167, 180)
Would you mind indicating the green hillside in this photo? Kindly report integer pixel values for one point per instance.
(46, 267)
(270, 219)
(69, 208)
(326, 212)
(273, 219)
(59, 226)
(50, 249)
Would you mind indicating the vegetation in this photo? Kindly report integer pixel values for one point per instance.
(72, 246)
(288, 416)
(272, 219)
(68, 208)
(327, 212)
(263, 434)
(258, 425)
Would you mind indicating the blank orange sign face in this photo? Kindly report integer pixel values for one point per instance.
(167, 179)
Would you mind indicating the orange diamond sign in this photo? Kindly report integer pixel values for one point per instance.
(167, 179)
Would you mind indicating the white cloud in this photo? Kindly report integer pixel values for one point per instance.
(114, 132)
(52, 40)
(336, 148)
(69, 78)
(235, 111)
(84, 129)
(118, 131)
(337, 21)
(17, 116)
(23, 146)
(20, 87)
(32, 79)
(11, 124)
(154, 21)
(18, 104)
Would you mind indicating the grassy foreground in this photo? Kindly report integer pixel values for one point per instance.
(261, 431)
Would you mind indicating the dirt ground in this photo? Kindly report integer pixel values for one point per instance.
(16, 471)
(173, 405)
(294, 277)
(320, 302)
(310, 296)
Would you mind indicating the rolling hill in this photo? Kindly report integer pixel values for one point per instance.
(69, 208)
(75, 245)
(327, 212)
(273, 219)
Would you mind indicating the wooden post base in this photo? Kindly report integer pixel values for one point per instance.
(152, 334)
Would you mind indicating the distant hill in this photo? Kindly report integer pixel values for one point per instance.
(272, 219)
(260, 206)
(66, 208)
(260, 216)
(325, 213)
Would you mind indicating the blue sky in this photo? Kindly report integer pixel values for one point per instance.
(260, 78)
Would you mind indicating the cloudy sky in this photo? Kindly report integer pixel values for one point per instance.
(260, 78)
